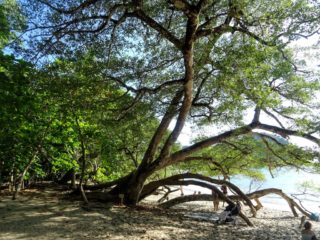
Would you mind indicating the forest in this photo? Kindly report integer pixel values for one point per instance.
(97, 95)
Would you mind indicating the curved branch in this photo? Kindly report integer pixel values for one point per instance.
(290, 201)
(287, 132)
(182, 154)
(145, 89)
(254, 195)
(266, 143)
(152, 186)
(175, 201)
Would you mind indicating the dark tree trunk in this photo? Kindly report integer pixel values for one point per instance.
(131, 186)
(67, 176)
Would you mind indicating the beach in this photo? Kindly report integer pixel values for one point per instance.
(44, 215)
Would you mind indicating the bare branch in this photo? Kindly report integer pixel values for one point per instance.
(256, 37)
(274, 117)
(281, 114)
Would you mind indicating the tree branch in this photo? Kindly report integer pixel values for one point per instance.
(162, 128)
(156, 26)
(152, 186)
(287, 132)
(81, 6)
(274, 117)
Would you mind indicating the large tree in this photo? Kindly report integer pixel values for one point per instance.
(210, 62)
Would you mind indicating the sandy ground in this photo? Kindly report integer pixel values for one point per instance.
(44, 215)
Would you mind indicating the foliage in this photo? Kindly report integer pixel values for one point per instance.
(310, 186)
(250, 155)
(23, 118)
(11, 21)
(115, 138)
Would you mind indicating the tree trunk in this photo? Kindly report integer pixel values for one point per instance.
(73, 179)
(1, 180)
(12, 180)
(83, 194)
(19, 181)
(132, 185)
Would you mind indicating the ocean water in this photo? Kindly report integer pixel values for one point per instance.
(288, 180)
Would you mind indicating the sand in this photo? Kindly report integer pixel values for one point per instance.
(44, 215)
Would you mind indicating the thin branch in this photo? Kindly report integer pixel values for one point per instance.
(242, 150)
(277, 155)
(81, 6)
(159, 28)
(274, 117)
(287, 132)
(281, 114)
(145, 89)
(256, 37)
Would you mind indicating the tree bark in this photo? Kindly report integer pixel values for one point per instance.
(19, 181)
(131, 186)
